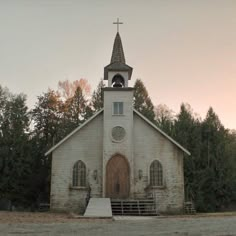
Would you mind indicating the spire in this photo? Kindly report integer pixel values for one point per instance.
(118, 53)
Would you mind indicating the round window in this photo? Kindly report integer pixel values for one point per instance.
(118, 133)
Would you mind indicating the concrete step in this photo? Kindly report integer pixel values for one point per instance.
(99, 208)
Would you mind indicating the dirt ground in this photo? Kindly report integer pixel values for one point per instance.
(53, 224)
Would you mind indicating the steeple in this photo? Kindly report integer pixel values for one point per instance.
(118, 52)
(117, 72)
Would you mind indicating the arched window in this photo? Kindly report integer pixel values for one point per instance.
(156, 174)
(79, 174)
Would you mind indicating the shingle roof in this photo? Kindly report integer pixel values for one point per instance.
(117, 52)
(117, 59)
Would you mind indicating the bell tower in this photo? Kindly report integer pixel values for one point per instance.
(118, 73)
(118, 180)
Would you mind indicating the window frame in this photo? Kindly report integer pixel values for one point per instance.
(156, 174)
(119, 110)
(79, 179)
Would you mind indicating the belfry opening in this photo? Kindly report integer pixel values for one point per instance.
(118, 81)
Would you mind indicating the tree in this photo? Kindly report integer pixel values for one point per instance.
(49, 127)
(15, 167)
(76, 108)
(142, 101)
(53, 117)
(215, 164)
(187, 131)
(97, 97)
(231, 155)
(67, 89)
(164, 118)
(47, 116)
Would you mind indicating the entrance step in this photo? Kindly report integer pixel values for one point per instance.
(99, 208)
(136, 207)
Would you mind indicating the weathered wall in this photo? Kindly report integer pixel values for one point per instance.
(150, 145)
(94, 145)
(85, 145)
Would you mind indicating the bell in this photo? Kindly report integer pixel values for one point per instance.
(117, 84)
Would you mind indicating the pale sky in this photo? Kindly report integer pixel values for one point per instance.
(183, 50)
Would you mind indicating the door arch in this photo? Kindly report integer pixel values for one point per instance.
(117, 177)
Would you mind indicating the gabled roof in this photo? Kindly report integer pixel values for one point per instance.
(73, 132)
(118, 52)
(162, 132)
(99, 112)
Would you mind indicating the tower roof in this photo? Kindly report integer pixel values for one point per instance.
(117, 63)
(117, 52)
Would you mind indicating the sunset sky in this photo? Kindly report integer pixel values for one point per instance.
(183, 50)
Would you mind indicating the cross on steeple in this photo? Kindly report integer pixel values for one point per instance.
(117, 23)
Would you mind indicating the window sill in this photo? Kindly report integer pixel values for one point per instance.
(156, 187)
(78, 188)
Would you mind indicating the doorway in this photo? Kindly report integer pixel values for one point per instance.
(117, 178)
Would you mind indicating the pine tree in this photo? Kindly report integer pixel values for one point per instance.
(187, 131)
(216, 175)
(47, 115)
(142, 101)
(76, 108)
(15, 150)
(97, 97)
(231, 155)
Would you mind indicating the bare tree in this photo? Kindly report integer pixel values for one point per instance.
(67, 89)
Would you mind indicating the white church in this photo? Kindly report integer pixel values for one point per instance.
(117, 154)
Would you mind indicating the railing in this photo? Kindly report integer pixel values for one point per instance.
(133, 207)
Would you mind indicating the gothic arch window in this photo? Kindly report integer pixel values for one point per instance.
(156, 174)
(79, 174)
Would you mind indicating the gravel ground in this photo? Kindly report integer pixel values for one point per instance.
(51, 224)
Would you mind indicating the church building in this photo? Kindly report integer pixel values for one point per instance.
(117, 153)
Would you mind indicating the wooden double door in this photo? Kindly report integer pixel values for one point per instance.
(117, 178)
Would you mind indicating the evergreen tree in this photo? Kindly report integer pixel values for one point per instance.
(97, 97)
(15, 157)
(76, 108)
(215, 166)
(47, 115)
(142, 101)
(187, 131)
(231, 155)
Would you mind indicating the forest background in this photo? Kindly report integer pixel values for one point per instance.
(26, 135)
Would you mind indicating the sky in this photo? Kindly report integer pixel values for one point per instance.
(183, 50)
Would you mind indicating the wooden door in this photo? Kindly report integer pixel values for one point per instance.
(117, 178)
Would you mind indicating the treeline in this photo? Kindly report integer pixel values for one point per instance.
(210, 171)
(25, 136)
